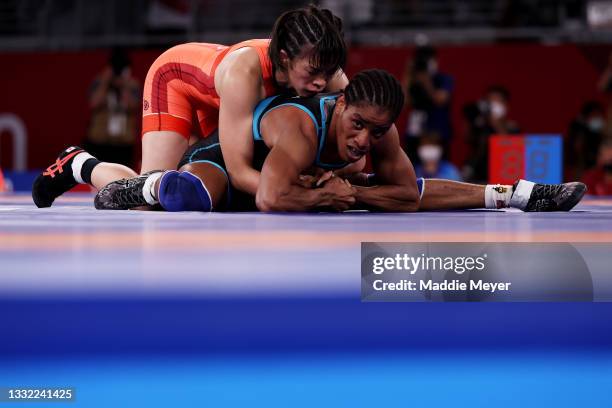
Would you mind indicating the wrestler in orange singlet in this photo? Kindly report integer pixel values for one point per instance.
(197, 87)
(180, 87)
(216, 86)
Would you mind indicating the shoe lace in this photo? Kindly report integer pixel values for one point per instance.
(130, 196)
(543, 204)
(548, 191)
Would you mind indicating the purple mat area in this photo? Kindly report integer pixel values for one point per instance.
(73, 248)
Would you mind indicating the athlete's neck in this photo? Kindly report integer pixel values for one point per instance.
(281, 78)
(330, 153)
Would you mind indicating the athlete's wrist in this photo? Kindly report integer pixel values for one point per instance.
(361, 193)
(324, 196)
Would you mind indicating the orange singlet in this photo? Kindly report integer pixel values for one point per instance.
(181, 81)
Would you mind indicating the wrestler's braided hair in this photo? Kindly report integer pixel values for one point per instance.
(376, 87)
(312, 29)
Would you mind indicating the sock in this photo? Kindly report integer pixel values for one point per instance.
(522, 193)
(82, 166)
(497, 195)
(148, 190)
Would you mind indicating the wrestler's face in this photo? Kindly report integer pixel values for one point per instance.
(359, 127)
(305, 78)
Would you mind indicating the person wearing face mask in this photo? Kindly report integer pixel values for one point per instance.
(495, 109)
(583, 139)
(428, 93)
(599, 178)
(485, 118)
(432, 165)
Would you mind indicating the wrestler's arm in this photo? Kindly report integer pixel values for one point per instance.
(397, 189)
(239, 85)
(280, 188)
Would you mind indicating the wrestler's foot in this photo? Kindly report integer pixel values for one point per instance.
(529, 196)
(56, 179)
(125, 193)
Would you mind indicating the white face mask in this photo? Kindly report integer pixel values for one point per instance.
(498, 110)
(430, 153)
(595, 124)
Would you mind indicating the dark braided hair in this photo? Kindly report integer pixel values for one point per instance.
(376, 87)
(310, 28)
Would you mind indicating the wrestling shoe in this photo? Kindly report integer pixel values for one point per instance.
(530, 196)
(56, 179)
(124, 194)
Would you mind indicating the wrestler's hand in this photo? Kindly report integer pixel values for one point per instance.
(310, 181)
(341, 193)
(307, 181)
(328, 175)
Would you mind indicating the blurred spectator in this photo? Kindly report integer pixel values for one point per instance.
(605, 86)
(599, 178)
(605, 81)
(353, 11)
(485, 118)
(114, 98)
(431, 164)
(428, 93)
(583, 138)
(168, 15)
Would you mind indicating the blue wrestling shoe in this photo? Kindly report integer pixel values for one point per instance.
(124, 194)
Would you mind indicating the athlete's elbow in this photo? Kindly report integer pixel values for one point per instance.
(410, 207)
(239, 180)
(268, 200)
(264, 204)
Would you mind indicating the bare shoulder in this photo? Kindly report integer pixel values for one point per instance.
(240, 74)
(244, 59)
(289, 124)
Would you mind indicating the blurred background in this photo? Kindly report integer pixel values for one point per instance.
(471, 69)
(97, 304)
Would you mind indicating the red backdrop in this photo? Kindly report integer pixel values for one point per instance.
(548, 85)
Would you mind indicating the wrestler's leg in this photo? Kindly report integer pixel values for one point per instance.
(437, 194)
(75, 166)
(441, 194)
(196, 186)
(162, 150)
(200, 184)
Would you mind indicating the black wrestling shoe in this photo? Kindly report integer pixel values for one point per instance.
(123, 194)
(547, 197)
(56, 179)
